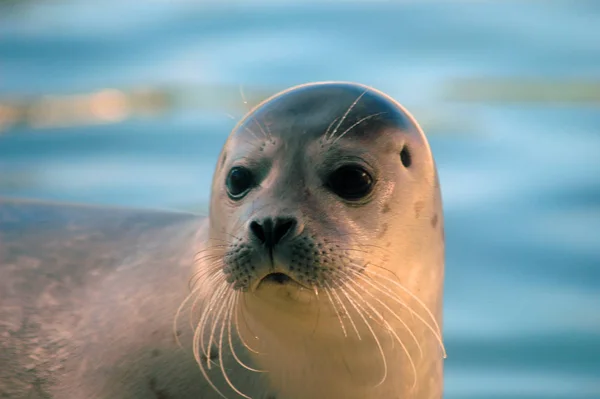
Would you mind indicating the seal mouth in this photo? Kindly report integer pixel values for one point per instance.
(277, 278)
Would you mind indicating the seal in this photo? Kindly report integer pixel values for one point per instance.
(317, 274)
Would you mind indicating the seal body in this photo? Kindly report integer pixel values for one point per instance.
(87, 300)
(318, 273)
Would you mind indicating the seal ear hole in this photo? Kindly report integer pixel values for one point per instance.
(405, 157)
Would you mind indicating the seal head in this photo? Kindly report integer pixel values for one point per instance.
(326, 226)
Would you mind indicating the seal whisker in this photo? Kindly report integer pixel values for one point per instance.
(237, 328)
(206, 314)
(390, 294)
(335, 294)
(210, 277)
(329, 128)
(360, 310)
(336, 310)
(215, 322)
(316, 292)
(231, 310)
(220, 239)
(419, 301)
(378, 315)
(207, 252)
(196, 343)
(232, 235)
(255, 120)
(346, 114)
(202, 369)
(410, 332)
(366, 118)
(178, 313)
(211, 271)
(208, 265)
(246, 128)
(221, 363)
(389, 328)
(193, 307)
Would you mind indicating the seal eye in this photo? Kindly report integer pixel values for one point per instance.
(239, 181)
(350, 182)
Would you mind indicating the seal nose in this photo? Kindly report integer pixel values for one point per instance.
(270, 231)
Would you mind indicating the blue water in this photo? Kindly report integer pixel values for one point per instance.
(521, 182)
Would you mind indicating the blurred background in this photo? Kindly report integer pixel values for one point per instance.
(128, 102)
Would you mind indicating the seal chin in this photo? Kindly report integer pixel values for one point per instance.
(278, 287)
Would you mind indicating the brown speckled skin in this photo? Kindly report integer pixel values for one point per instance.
(87, 299)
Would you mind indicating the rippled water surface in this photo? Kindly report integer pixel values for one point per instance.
(521, 182)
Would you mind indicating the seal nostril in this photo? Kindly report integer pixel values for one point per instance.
(271, 231)
(282, 226)
(258, 231)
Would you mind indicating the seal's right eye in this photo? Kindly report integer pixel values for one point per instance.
(351, 182)
(239, 181)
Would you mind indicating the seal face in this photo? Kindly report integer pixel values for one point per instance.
(326, 236)
(297, 177)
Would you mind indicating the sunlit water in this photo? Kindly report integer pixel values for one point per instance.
(521, 184)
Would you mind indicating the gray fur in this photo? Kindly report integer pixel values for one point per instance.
(87, 300)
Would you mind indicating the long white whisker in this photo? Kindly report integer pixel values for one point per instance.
(329, 128)
(337, 312)
(420, 302)
(393, 332)
(232, 309)
(237, 328)
(221, 363)
(346, 114)
(381, 352)
(345, 310)
(356, 124)
(410, 332)
(390, 294)
(204, 319)
(196, 350)
(178, 313)
(213, 329)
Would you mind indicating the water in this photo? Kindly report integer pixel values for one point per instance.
(521, 183)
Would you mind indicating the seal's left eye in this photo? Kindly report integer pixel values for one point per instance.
(350, 182)
(239, 181)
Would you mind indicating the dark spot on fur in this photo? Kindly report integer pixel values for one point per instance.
(434, 220)
(155, 353)
(384, 229)
(386, 208)
(158, 393)
(214, 354)
(419, 205)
